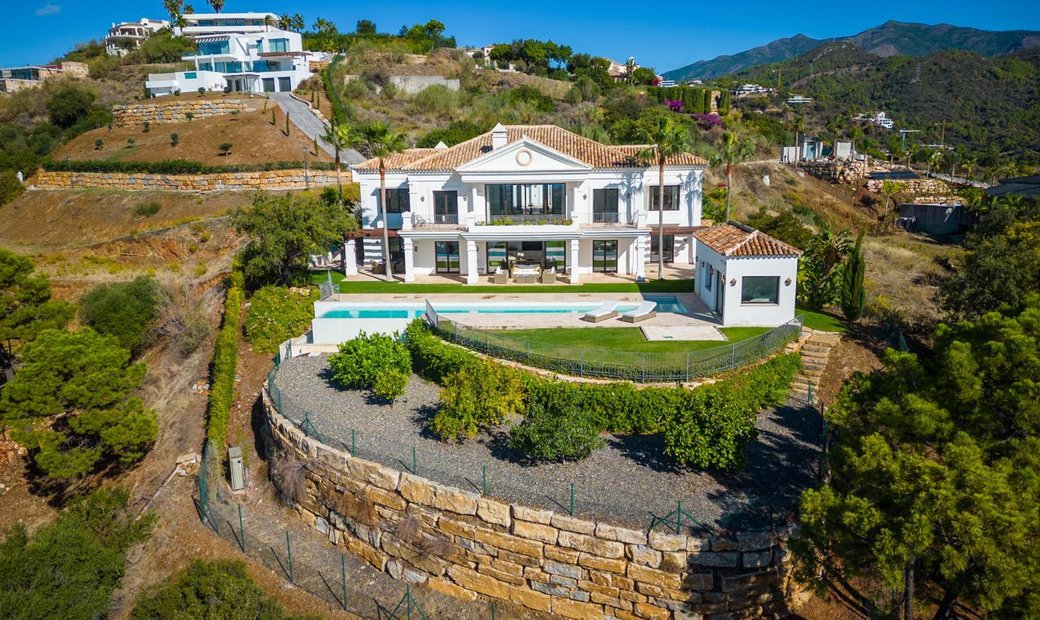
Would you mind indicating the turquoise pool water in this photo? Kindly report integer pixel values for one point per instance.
(411, 311)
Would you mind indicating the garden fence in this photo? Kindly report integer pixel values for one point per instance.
(616, 364)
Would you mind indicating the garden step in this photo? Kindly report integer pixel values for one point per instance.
(812, 347)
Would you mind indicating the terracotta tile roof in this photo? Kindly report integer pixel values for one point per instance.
(738, 240)
(583, 149)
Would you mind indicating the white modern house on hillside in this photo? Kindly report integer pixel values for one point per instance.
(127, 36)
(239, 52)
(746, 277)
(525, 202)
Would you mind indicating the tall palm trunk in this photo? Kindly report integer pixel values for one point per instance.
(660, 218)
(729, 188)
(387, 269)
(339, 179)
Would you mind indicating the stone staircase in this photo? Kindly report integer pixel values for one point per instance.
(816, 348)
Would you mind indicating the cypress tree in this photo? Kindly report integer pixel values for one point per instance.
(853, 290)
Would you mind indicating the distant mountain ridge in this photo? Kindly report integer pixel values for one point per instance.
(889, 39)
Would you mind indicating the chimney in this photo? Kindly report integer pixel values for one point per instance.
(498, 137)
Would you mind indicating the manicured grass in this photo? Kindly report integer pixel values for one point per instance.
(823, 321)
(622, 339)
(376, 287)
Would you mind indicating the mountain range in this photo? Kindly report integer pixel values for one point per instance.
(889, 39)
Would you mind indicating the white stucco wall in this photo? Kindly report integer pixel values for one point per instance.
(735, 313)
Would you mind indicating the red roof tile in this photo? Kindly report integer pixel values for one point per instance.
(739, 240)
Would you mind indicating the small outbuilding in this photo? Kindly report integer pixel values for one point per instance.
(746, 277)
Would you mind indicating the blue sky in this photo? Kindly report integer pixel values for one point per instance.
(664, 35)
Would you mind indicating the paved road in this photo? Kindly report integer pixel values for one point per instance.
(301, 115)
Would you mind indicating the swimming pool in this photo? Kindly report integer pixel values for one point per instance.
(413, 310)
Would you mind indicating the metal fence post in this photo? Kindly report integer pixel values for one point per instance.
(678, 516)
(572, 499)
(483, 480)
(353, 443)
(343, 578)
(241, 530)
(288, 549)
(415, 468)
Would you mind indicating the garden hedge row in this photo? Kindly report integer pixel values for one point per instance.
(223, 367)
(175, 167)
(703, 427)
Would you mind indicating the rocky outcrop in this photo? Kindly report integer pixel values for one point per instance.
(467, 545)
(140, 113)
(273, 180)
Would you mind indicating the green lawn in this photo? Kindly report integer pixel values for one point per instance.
(823, 321)
(375, 287)
(620, 339)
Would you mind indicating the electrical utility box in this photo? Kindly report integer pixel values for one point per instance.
(238, 476)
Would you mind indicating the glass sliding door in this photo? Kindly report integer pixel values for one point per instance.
(605, 206)
(448, 256)
(526, 204)
(544, 253)
(445, 207)
(604, 255)
(669, 248)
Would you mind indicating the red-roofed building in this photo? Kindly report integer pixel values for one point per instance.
(746, 277)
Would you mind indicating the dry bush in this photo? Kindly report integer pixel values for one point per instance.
(409, 530)
(290, 476)
(183, 315)
(435, 546)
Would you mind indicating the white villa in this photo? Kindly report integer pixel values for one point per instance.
(525, 202)
(240, 52)
(127, 36)
(746, 277)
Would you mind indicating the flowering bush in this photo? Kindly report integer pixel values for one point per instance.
(707, 121)
(675, 105)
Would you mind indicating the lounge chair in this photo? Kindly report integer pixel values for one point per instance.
(642, 312)
(606, 311)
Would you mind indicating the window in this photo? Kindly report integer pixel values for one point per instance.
(279, 45)
(671, 197)
(669, 247)
(521, 202)
(396, 253)
(211, 48)
(604, 255)
(447, 256)
(547, 254)
(190, 75)
(445, 207)
(760, 290)
(710, 271)
(397, 200)
(605, 206)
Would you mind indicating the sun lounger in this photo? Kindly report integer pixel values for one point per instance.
(645, 310)
(607, 311)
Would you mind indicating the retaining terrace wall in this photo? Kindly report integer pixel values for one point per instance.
(468, 546)
(139, 113)
(272, 180)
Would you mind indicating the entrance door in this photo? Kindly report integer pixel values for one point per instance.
(720, 292)
(448, 257)
(604, 255)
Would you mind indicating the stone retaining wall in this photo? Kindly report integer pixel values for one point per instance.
(273, 180)
(457, 542)
(139, 113)
(931, 187)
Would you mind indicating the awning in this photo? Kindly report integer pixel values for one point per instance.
(215, 38)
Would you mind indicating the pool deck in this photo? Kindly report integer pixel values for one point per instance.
(697, 315)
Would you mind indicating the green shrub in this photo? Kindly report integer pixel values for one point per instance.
(175, 139)
(559, 435)
(99, 144)
(224, 364)
(390, 385)
(433, 358)
(276, 314)
(477, 397)
(712, 424)
(360, 361)
(147, 209)
(124, 310)
(10, 187)
(438, 100)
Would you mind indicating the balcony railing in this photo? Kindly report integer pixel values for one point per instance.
(606, 218)
(522, 219)
(448, 219)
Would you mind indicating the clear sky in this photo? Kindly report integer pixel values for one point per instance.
(664, 35)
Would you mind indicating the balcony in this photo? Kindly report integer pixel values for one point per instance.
(606, 218)
(446, 220)
(528, 219)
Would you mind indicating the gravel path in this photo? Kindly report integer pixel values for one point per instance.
(301, 115)
(628, 481)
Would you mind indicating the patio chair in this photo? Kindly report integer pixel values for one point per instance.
(499, 277)
(606, 311)
(642, 312)
(549, 276)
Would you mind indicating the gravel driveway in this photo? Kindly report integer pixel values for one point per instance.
(629, 481)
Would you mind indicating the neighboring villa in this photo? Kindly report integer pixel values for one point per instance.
(17, 78)
(526, 197)
(237, 52)
(745, 276)
(127, 36)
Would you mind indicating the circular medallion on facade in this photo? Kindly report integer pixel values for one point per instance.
(523, 158)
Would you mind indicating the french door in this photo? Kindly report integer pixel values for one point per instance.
(604, 255)
(448, 257)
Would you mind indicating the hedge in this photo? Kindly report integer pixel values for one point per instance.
(703, 427)
(175, 167)
(224, 365)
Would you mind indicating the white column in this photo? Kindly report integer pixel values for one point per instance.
(472, 273)
(350, 257)
(640, 250)
(575, 271)
(409, 259)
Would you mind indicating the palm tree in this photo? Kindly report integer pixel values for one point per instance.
(968, 164)
(268, 22)
(666, 138)
(735, 150)
(379, 141)
(338, 136)
(174, 8)
(218, 5)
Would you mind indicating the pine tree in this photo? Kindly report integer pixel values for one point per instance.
(853, 290)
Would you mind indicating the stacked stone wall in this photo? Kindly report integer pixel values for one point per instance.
(139, 113)
(272, 180)
(468, 546)
(929, 187)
